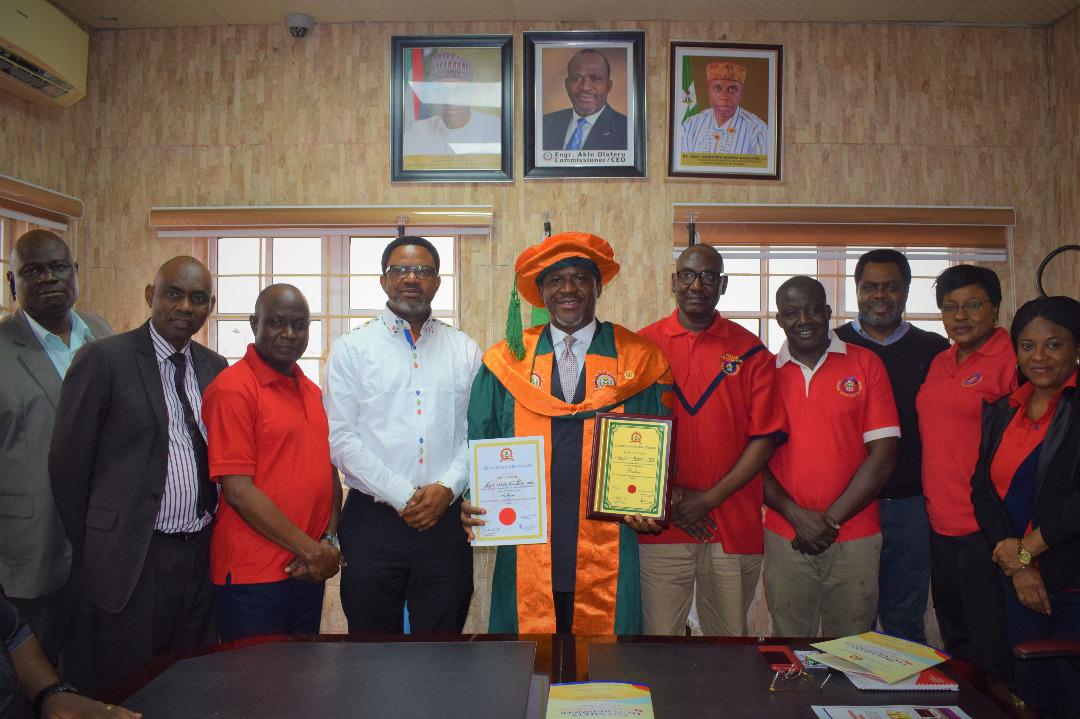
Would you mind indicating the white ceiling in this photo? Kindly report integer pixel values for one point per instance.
(188, 13)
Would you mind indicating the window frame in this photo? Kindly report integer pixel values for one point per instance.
(337, 316)
(830, 270)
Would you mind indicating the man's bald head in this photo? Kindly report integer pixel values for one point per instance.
(813, 289)
(180, 299)
(43, 277)
(704, 251)
(280, 325)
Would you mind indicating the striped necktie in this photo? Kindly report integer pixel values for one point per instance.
(568, 369)
(579, 135)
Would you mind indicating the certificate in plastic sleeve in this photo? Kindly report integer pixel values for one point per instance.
(508, 481)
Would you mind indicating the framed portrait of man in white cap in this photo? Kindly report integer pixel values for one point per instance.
(452, 109)
(725, 106)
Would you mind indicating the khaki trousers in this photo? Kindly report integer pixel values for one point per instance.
(725, 587)
(836, 590)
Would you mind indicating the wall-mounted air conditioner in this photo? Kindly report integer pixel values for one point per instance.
(43, 53)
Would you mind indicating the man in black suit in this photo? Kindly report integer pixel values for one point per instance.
(590, 124)
(130, 474)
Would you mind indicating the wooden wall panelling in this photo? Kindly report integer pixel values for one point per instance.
(1064, 44)
(246, 115)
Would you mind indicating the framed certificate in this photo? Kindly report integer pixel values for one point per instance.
(508, 481)
(631, 467)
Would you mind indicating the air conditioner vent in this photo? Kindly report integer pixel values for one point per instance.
(30, 74)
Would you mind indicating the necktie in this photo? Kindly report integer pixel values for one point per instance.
(578, 136)
(568, 369)
(207, 500)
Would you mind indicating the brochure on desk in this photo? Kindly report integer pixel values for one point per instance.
(890, 712)
(611, 700)
(883, 657)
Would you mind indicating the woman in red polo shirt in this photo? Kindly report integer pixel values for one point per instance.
(979, 367)
(1027, 499)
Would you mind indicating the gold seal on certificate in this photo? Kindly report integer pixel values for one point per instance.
(631, 466)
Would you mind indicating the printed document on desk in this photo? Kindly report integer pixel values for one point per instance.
(610, 700)
(508, 480)
(879, 655)
(890, 712)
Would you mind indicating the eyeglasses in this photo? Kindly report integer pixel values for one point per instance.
(708, 278)
(968, 307)
(581, 280)
(423, 272)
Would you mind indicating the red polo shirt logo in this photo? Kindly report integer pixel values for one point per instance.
(972, 380)
(730, 364)
(849, 386)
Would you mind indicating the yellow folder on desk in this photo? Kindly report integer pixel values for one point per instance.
(887, 658)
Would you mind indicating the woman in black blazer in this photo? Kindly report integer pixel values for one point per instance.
(1026, 493)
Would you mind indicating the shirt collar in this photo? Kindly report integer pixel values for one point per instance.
(674, 328)
(78, 327)
(591, 119)
(727, 123)
(999, 342)
(265, 374)
(162, 349)
(583, 336)
(1021, 395)
(836, 345)
(896, 336)
(397, 325)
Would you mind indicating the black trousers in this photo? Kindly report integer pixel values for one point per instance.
(170, 610)
(389, 563)
(968, 602)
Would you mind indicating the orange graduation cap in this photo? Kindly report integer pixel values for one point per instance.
(566, 245)
(532, 263)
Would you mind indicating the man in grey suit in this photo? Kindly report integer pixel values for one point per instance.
(590, 124)
(37, 344)
(131, 478)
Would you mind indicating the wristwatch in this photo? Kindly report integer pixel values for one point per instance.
(51, 690)
(332, 539)
(1022, 554)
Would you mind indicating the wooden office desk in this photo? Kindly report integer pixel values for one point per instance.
(699, 677)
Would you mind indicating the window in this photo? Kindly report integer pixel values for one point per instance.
(338, 274)
(755, 273)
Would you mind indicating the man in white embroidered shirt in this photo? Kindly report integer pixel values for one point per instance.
(725, 127)
(396, 394)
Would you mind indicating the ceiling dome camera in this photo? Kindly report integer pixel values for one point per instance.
(298, 24)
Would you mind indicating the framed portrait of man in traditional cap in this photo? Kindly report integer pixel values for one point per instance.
(725, 107)
(584, 104)
(451, 108)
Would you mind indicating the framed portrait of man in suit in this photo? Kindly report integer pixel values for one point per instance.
(451, 108)
(584, 104)
(725, 110)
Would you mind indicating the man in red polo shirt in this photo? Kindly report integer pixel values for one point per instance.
(729, 420)
(274, 542)
(822, 536)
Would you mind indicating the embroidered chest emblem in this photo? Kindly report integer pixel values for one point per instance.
(849, 386)
(506, 455)
(972, 380)
(730, 364)
(628, 374)
(604, 379)
(535, 380)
